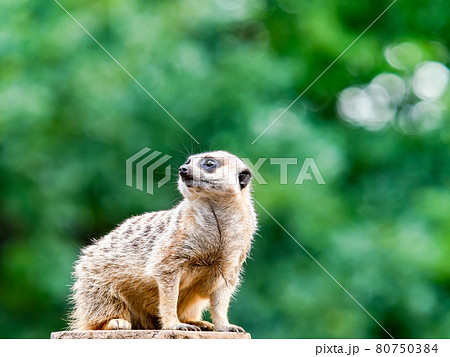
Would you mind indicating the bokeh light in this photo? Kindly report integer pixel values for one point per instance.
(367, 107)
(430, 80)
(390, 98)
(404, 55)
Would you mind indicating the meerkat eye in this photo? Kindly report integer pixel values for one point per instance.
(209, 164)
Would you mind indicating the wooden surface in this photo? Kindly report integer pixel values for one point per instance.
(147, 334)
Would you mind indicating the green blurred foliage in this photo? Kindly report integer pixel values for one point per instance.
(70, 117)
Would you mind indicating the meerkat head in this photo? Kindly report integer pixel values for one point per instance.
(217, 172)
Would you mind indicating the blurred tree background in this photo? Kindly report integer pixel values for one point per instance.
(376, 124)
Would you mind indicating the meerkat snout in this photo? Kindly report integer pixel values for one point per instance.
(185, 172)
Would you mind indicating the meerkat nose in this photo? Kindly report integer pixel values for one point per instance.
(185, 171)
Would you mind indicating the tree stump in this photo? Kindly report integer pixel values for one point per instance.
(147, 334)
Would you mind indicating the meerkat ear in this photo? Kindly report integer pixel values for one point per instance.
(244, 178)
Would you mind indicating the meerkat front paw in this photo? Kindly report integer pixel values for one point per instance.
(117, 324)
(229, 328)
(204, 325)
(183, 327)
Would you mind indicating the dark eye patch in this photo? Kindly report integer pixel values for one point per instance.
(209, 164)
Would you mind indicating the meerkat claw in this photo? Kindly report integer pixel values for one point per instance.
(203, 325)
(184, 327)
(231, 328)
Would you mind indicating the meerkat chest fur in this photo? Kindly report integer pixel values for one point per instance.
(217, 217)
(217, 234)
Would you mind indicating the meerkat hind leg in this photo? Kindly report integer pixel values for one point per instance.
(117, 324)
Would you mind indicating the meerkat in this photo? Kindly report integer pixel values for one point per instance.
(161, 270)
